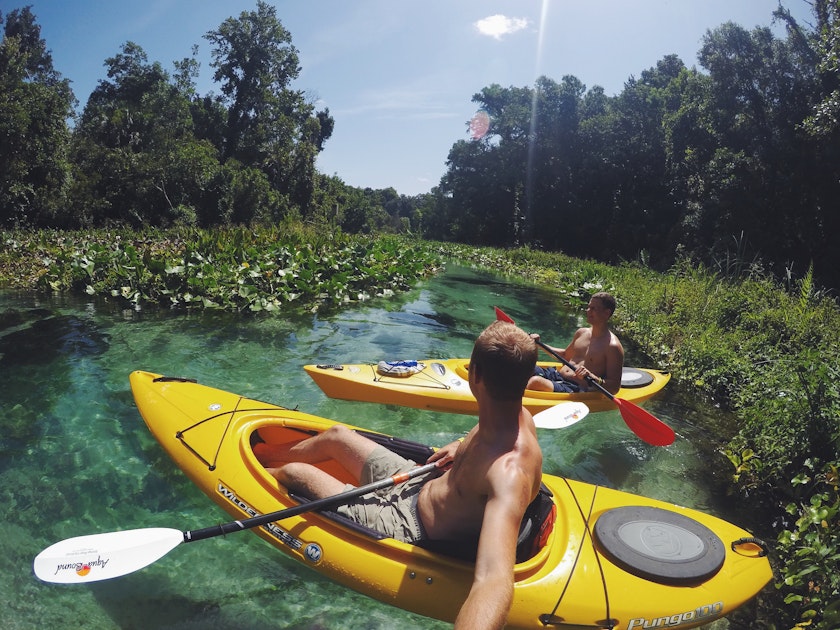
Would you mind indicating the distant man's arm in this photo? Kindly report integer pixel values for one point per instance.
(615, 366)
(563, 352)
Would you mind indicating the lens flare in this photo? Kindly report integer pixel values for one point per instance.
(479, 124)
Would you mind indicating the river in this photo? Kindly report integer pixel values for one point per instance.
(78, 459)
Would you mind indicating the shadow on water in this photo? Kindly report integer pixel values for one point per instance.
(38, 346)
(77, 459)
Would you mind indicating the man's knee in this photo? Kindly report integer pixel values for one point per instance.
(538, 383)
(293, 475)
(285, 472)
(338, 432)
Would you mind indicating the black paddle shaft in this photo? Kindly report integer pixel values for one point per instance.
(337, 499)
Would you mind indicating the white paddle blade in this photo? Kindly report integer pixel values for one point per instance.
(104, 556)
(561, 415)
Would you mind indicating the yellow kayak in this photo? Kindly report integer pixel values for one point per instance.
(608, 557)
(442, 385)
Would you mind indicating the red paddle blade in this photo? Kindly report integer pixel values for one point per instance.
(502, 316)
(645, 425)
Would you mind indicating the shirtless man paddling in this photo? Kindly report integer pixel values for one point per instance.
(494, 475)
(595, 351)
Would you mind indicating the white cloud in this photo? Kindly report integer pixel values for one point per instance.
(498, 25)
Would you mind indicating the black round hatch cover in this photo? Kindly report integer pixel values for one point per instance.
(659, 545)
(633, 377)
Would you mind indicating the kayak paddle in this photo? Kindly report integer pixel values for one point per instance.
(642, 423)
(105, 556)
(561, 415)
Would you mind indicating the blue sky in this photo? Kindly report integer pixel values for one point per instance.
(397, 75)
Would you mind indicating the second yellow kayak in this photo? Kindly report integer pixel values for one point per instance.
(442, 385)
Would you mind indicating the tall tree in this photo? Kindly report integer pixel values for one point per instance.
(269, 125)
(759, 181)
(484, 187)
(135, 156)
(822, 51)
(642, 208)
(35, 104)
(552, 194)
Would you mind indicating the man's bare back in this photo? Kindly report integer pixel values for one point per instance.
(452, 506)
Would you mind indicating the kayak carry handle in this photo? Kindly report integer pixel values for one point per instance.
(750, 541)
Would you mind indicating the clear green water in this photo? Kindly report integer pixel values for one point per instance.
(76, 458)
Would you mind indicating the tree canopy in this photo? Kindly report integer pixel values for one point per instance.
(146, 149)
(737, 160)
(35, 103)
(734, 162)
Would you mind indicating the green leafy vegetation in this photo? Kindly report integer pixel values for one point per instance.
(236, 269)
(811, 546)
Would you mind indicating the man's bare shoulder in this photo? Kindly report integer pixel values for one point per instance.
(582, 333)
(518, 469)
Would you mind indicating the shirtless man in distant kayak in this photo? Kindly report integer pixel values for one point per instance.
(490, 477)
(595, 351)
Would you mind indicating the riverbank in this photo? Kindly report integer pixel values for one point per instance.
(231, 268)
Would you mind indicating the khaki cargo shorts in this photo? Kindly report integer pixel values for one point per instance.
(390, 511)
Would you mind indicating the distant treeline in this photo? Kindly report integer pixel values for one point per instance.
(733, 164)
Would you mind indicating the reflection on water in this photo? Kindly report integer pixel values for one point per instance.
(76, 458)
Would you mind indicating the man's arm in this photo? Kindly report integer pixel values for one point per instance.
(491, 594)
(563, 352)
(615, 366)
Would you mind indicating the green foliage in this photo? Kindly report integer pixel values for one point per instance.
(268, 125)
(237, 269)
(34, 105)
(824, 120)
(763, 350)
(146, 149)
(680, 162)
(809, 580)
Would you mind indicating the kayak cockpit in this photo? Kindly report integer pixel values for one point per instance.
(534, 531)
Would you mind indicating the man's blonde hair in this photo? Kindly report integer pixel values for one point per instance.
(504, 356)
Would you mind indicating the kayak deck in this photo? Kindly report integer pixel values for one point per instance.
(443, 385)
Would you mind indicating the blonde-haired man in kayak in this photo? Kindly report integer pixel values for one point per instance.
(596, 352)
(490, 476)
